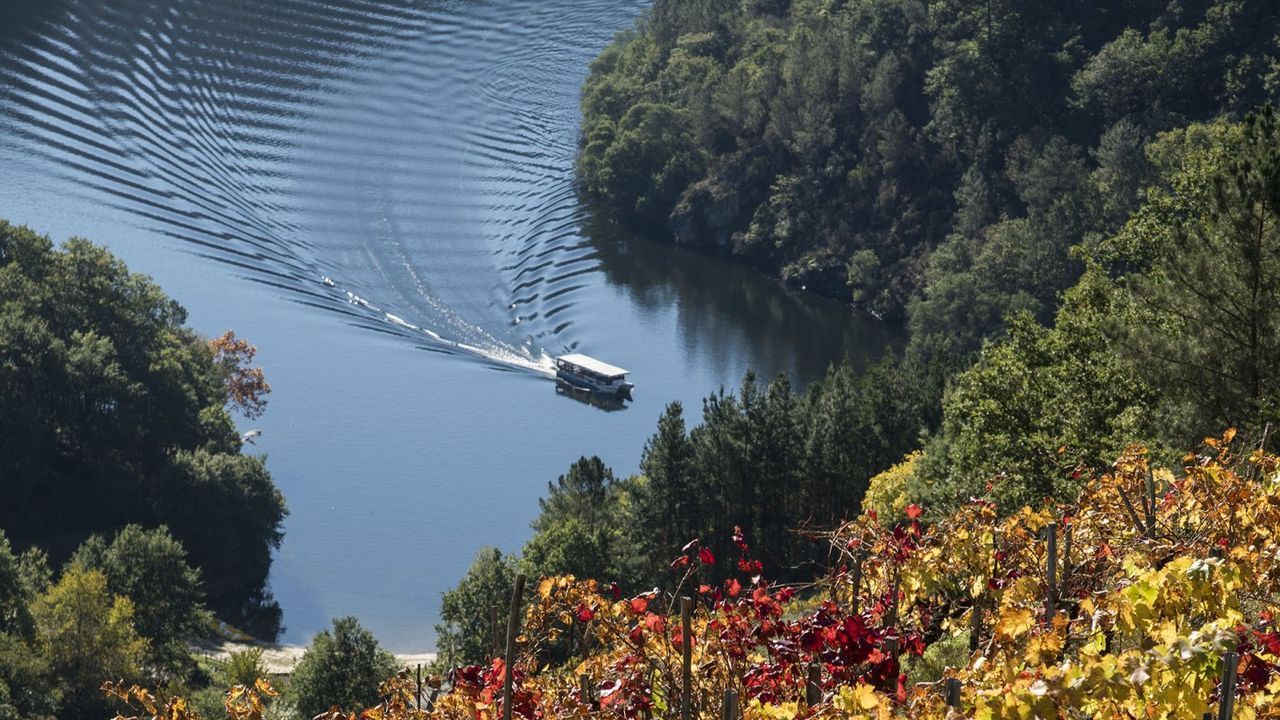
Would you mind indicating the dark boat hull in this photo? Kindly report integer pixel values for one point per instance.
(577, 382)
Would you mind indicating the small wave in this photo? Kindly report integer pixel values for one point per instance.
(406, 167)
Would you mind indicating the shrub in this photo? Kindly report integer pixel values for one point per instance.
(342, 668)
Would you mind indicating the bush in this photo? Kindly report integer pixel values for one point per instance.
(243, 668)
(887, 493)
(342, 668)
(150, 568)
(466, 612)
(87, 635)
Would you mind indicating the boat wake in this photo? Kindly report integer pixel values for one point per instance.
(404, 165)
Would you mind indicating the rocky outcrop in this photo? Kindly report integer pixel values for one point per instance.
(822, 272)
(706, 215)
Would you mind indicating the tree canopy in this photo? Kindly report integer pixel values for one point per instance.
(342, 668)
(113, 412)
(931, 161)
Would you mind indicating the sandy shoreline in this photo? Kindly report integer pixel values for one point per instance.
(282, 659)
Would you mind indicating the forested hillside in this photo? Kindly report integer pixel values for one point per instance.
(1173, 330)
(129, 516)
(112, 412)
(932, 161)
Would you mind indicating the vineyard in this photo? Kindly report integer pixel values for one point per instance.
(1151, 596)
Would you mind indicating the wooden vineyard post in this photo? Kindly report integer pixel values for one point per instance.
(513, 629)
(586, 691)
(891, 643)
(1066, 558)
(1227, 690)
(975, 626)
(1051, 571)
(813, 687)
(686, 659)
(418, 687)
(730, 709)
(953, 693)
(857, 582)
(1150, 504)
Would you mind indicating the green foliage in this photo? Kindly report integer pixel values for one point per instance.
(586, 525)
(227, 512)
(646, 161)
(87, 635)
(15, 592)
(930, 161)
(1036, 406)
(670, 502)
(950, 652)
(112, 412)
(580, 493)
(242, 668)
(150, 568)
(1203, 304)
(571, 548)
(762, 459)
(468, 613)
(1172, 331)
(26, 681)
(342, 668)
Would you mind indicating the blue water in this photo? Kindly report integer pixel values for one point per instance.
(380, 197)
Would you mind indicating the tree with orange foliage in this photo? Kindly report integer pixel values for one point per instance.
(247, 386)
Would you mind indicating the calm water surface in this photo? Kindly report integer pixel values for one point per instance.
(379, 195)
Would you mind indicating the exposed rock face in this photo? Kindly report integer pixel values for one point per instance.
(820, 272)
(706, 215)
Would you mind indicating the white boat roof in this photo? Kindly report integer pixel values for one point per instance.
(594, 365)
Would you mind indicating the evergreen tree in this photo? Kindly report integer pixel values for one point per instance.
(1206, 320)
(467, 631)
(671, 504)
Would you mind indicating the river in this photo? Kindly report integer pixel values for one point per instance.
(380, 196)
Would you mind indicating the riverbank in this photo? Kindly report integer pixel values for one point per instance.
(282, 659)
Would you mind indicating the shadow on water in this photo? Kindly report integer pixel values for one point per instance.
(595, 400)
(726, 307)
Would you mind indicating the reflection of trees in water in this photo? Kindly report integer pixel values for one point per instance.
(727, 309)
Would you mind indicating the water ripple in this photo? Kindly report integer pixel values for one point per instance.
(405, 166)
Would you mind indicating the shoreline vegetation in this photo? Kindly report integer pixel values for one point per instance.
(133, 521)
(931, 163)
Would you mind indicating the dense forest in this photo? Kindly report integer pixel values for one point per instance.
(130, 518)
(1074, 209)
(934, 162)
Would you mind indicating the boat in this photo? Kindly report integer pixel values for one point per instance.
(587, 374)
